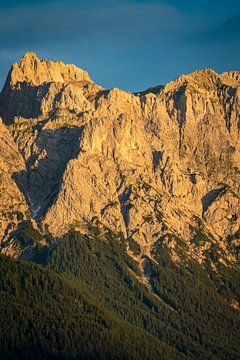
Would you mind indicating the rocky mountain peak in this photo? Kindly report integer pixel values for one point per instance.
(32, 80)
(36, 72)
(28, 57)
(206, 80)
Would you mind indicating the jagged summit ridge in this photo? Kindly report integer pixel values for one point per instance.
(36, 72)
(205, 80)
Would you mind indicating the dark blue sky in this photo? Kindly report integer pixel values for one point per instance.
(128, 44)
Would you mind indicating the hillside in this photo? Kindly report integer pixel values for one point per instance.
(96, 305)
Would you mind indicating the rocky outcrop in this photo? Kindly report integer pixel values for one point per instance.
(36, 72)
(160, 165)
(33, 80)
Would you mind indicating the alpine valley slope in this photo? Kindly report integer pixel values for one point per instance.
(149, 165)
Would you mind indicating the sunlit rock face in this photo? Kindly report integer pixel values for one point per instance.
(158, 165)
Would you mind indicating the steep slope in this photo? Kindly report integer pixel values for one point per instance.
(188, 307)
(52, 317)
(13, 207)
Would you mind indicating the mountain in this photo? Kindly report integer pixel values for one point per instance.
(138, 192)
(152, 164)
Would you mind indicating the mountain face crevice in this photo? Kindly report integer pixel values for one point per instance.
(49, 155)
(208, 199)
(150, 165)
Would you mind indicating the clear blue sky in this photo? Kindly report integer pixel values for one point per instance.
(128, 44)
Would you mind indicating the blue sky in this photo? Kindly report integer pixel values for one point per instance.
(130, 44)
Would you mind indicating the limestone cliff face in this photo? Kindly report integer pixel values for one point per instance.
(13, 207)
(161, 165)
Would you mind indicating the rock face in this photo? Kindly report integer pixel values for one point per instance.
(13, 207)
(161, 165)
